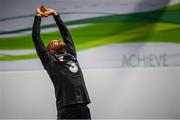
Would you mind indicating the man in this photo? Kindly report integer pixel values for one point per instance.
(60, 61)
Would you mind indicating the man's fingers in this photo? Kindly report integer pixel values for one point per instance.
(43, 9)
(48, 13)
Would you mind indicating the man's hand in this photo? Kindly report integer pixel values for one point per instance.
(50, 11)
(40, 11)
(45, 12)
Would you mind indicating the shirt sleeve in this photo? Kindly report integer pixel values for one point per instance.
(38, 43)
(66, 35)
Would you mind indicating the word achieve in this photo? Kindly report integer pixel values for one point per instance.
(150, 60)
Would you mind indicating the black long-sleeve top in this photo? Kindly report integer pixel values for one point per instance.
(63, 69)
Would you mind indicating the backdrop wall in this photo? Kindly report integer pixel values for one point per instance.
(129, 52)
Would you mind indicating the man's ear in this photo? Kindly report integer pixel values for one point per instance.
(51, 51)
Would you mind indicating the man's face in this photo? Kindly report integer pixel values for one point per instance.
(56, 46)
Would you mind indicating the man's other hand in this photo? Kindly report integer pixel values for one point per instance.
(50, 11)
(40, 11)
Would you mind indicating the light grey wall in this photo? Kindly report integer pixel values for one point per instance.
(115, 93)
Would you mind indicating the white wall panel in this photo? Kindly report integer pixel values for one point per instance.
(115, 93)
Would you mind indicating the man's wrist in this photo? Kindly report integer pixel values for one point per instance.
(38, 15)
(55, 13)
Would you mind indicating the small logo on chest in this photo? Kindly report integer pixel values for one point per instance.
(72, 66)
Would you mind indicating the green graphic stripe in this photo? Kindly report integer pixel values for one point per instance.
(80, 35)
(18, 57)
(168, 36)
(130, 37)
(84, 34)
